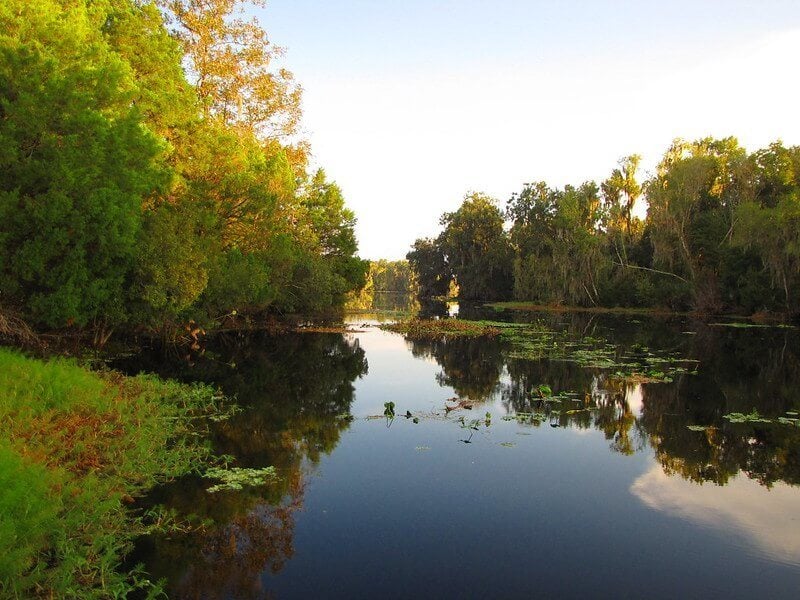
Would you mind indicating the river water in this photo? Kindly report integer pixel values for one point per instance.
(561, 479)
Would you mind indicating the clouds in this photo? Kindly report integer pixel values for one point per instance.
(765, 518)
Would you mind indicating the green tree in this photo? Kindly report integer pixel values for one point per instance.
(691, 200)
(768, 221)
(75, 165)
(558, 252)
(430, 268)
(477, 249)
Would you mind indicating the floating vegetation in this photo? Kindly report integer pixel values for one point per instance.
(422, 448)
(234, 478)
(388, 410)
(473, 424)
(639, 364)
(753, 417)
(528, 418)
(792, 418)
(436, 328)
(507, 444)
(698, 427)
(535, 341)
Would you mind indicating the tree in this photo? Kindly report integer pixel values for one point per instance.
(691, 200)
(430, 268)
(768, 222)
(621, 190)
(75, 165)
(477, 249)
(230, 60)
(557, 248)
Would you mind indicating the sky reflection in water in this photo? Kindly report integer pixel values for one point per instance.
(622, 500)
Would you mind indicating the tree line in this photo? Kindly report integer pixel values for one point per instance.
(721, 234)
(152, 170)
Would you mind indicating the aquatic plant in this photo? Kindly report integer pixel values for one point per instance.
(236, 478)
(436, 328)
(752, 417)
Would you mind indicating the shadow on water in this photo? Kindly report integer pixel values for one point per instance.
(295, 392)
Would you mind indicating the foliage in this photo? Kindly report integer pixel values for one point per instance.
(135, 193)
(558, 254)
(74, 166)
(235, 478)
(76, 445)
(430, 267)
(477, 250)
(231, 59)
(435, 328)
(720, 235)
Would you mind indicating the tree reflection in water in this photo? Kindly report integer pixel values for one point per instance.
(740, 370)
(296, 392)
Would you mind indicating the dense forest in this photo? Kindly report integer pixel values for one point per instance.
(721, 234)
(152, 170)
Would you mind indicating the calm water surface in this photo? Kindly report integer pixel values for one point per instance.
(618, 500)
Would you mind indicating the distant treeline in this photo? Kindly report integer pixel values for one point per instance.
(383, 277)
(151, 170)
(722, 233)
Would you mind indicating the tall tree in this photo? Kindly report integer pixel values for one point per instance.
(431, 271)
(75, 165)
(231, 60)
(477, 249)
(621, 190)
(768, 223)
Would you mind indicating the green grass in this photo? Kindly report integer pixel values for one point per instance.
(75, 447)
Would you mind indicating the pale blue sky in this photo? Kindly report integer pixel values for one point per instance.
(409, 105)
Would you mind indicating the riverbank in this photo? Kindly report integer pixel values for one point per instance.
(76, 449)
(621, 310)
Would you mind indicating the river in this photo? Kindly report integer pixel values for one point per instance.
(588, 470)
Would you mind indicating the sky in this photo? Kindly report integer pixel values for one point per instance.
(411, 105)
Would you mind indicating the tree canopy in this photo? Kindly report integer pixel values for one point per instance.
(721, 233)
(151, 169)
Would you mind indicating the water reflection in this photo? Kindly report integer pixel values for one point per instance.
(471, 366)
(740, 370)
(296, 392)
(742, 506)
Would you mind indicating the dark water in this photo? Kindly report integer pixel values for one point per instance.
(622, 500)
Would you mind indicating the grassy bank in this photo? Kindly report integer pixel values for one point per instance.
(758, 317)
(76, 448)
(617, 310)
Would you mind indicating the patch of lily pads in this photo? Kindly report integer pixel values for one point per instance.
(638, 364)
(791, 418)
(421, 329)
(533, 341)
(235, 479)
